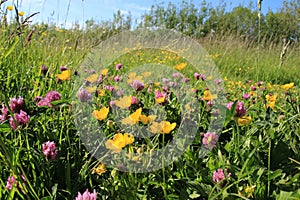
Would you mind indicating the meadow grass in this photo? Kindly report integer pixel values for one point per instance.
(262, 156)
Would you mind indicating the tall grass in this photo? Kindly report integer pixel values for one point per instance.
(262, 157)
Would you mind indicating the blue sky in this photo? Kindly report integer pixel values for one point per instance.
(67, 12)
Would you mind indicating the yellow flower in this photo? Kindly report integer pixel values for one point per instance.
(180, 66)
(271, 100)
(119, 141)
(101, 92)
(104, 72)
(249, 190)
(124, 102)
(244, 121)
(100, 169)
(10, 7)
(168, 127)
(208, 96)
(162, 127)
(92, 78)
(132, 76)
(271, 97)
(147, 119)
(21, 14)
(271, 104)
(287, 86)
(155, 127)
(91, 89)
(146, 74)
(65, 75)
(133, 118)
(160, 100)
(101, 114)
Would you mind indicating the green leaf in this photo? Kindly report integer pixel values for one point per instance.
(4, 127)
(194, 195)
(283, 195)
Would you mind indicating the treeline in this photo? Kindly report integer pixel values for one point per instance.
(202, 20)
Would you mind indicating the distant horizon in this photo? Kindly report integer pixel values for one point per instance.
(67, 13)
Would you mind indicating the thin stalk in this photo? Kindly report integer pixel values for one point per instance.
(269, 165)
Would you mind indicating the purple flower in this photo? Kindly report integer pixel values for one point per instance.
(11, 181)
(240, 110)
(4, 112)
(197, 76)
(87, 195)
(44, 70)
(49, 150)
(262, 88)
(118, 78)
(137, 85)
(229, 105)
(165, 88)
(218, 176)
(111, 103)
(165, 80)
(44, 102)
(203, 77)
(133, 100)
(210, 140)
(53, 96)
(218, 81)
(177, 75)
(171, 84)
(118, 66)
(16, 104)
(84, 95)
(186, 80)
(210, 103)
(24, 118)
(90, 71)
(109, 88)
(246, 96)
(50, 96)
(216, 113)
(63, 68)
(259, 83)
(21, 119)
(159, 94)
(100, 78)
(253, 88)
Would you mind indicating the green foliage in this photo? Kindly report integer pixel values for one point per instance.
(262, 157)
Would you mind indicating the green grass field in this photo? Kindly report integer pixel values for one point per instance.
(255, 155)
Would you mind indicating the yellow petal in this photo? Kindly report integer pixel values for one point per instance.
(65, 75)
(92, 78)
(243, 121)
(109, 144)
(91, 89)
(101, 114)
(133, 118)
(156, 127)
(124, 102)
(168, 127)
(147, 119)
(100, 169)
